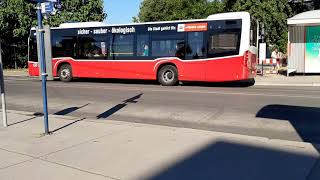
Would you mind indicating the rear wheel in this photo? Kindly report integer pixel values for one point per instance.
(65, 73)
(168, 75)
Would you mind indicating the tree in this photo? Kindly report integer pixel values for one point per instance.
(299, 6)
(18, 16)
(165, 10)
(79, 11)
(273, 14)
(228, 4)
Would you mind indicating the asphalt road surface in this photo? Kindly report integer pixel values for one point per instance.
(290, 113)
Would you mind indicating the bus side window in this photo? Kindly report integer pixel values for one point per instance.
(143, 47)
(63, 43)
(92, 47)
(121, 46)
(168, 45)
(33, 51)
(253, 32)
(224, 44)
(195, 48)
(224, 38)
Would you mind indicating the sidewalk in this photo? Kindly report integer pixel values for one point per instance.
(280, 80)
(92, 149)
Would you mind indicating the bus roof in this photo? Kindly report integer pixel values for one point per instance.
(221, 16)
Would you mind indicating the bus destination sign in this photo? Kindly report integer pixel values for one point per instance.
(113, 30)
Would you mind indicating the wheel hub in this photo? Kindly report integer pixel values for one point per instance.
(65, 73)
(168, 76)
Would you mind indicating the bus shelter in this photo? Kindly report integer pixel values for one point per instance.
(304, 43)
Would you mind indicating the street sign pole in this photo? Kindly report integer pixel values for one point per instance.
(3, 97)
(43, 69)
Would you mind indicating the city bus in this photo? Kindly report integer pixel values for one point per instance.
(221, 48)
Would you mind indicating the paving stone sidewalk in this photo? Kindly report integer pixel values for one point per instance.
(80, 148)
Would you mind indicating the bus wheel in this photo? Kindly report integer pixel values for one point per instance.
(168, 75)
(65, 73)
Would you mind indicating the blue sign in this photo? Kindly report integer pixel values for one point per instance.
(47, 7)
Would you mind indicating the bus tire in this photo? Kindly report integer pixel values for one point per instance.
(65, 73)
(168, 75)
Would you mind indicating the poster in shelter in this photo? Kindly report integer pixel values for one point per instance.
(312, 52)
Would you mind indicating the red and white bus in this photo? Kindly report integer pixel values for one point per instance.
(217, 49)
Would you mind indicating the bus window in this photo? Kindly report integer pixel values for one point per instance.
(224, 38)
(195, 48)
(170, 48)
(121, 46)
(143, 47)
(168, 45)
(92, 47)
(253, 33)
(63, 43)
(223, 44)
(33, 51)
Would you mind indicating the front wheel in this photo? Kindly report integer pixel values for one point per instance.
(65, 73)
(168, 75)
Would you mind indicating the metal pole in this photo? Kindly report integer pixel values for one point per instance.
(262, 41)
(3, 97)
(43, 69)
(262, 69)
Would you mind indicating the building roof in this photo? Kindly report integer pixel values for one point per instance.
(305, 18)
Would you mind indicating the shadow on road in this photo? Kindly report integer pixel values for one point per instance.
(246, 83)
(116, 81)
(225, 160)
(19, 122)
(229, 84)
(118, 107)
(69, 110)
(67, 125)
(305, 120)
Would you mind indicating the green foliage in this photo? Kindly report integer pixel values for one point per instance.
(15, 22)
(18, 16)
(166, 10)
(15, 19)
(77, 11)
(273, 14)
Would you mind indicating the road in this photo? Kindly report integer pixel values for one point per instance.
(290, 113)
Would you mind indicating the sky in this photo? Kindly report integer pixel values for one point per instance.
(121, 11)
